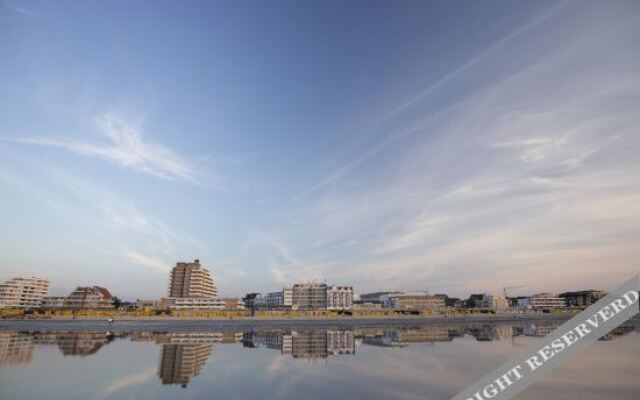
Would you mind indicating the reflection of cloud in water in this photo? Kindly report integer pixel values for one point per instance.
(406, 362)
(129, 380)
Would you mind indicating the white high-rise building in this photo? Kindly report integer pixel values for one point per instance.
(23, 292)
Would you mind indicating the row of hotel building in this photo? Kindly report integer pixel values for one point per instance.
(191, 287)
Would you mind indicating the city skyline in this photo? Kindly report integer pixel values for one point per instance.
(323, 141)
(192, 285)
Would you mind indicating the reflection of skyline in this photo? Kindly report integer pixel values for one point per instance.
(184, 354)
(181, 362)
(16, 348)
(75, 343)
(307, 344)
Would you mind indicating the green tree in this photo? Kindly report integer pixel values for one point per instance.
(117, 303)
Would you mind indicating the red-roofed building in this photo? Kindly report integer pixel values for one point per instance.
(89, 297)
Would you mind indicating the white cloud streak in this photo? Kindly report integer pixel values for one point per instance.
(124, 382)
(500, 43)
(147, 261)
(526, 181)
(18, 9)
(127, 148)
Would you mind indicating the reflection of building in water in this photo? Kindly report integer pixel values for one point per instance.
(15, 348)
(401, 337)
(181, 362)
(312, 344)
(340, 342)
(422, 335)
(304, 344)
(141, 336)
(484, 333)
(75, 343)
(517, 330)
(618, 332)
(195, 337)
(184, 354)
(538, 330)
(504, 331)
(270, 339)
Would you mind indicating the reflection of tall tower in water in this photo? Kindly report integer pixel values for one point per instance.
(181, 362)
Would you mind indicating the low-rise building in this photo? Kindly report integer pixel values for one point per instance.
(375, 297)
(453, 302)
(305, 296)
(89, 297)
(413, 302)
(142, 304)
(339, 298)
(195, 303)
(233, 303)
(53, 302)
(492, 302)
(474, 301)
(542, 302)
(583, 298)
(282, 300)
(250, 300)
(23, 292)
(367, 307)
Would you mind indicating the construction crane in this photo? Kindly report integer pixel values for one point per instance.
(504, 289)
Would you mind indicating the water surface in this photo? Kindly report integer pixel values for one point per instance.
(307, 362)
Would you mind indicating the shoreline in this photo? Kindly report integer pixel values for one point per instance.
(173, 323)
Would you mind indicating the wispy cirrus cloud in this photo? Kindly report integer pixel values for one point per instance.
(126, 147)
(147, 261)
(18, 9)
(488, 52)
(524, 181)
(128, 236)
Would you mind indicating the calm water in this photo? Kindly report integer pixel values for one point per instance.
(408, 362)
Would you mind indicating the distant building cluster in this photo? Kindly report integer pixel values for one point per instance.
(543, 302)
(303, 296)
(191, 287)
(28, 293)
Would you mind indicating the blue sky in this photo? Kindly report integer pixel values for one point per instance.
(455, 146)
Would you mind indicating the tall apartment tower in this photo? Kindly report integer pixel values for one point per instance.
(191, 280)
(23, 292)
